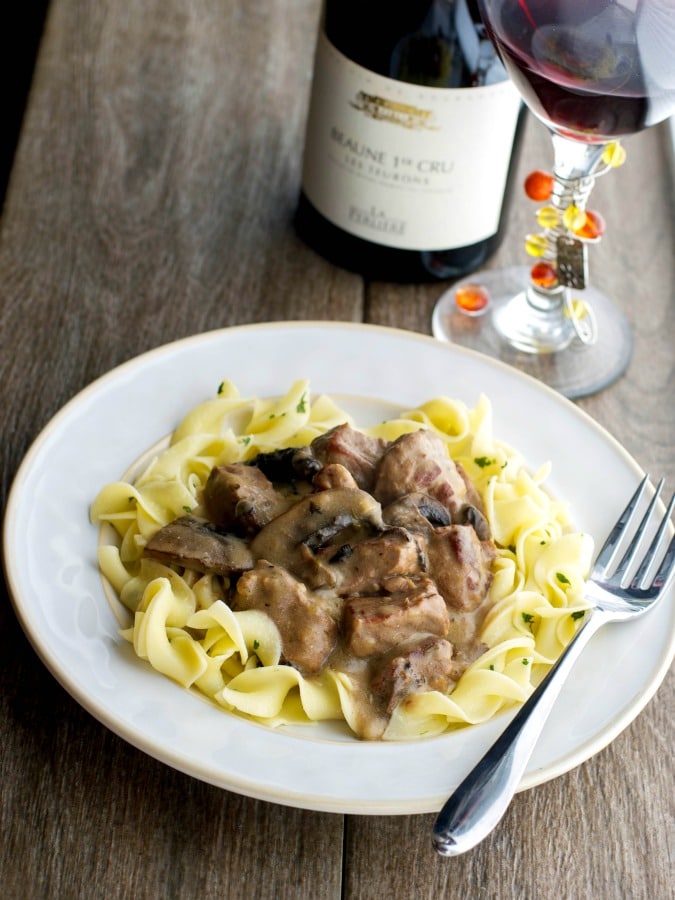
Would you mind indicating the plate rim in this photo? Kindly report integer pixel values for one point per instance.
(570, 760)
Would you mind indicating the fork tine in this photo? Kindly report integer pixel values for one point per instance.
(631, 550)
(667, 567)
(650, 555)
(609, 547)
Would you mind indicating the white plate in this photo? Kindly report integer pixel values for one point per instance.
(50, 559)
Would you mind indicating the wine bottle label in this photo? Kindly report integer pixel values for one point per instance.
(402, 165)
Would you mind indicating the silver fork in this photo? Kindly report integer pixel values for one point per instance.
(480, 801)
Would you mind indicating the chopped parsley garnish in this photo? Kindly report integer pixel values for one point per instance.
(492, 667)
(483, 461)
(526, 661)
(220, 387)
(579, 614)
(256, 645)
(563, 579)
(302, 405)
(187, 509)
(246, 440)
(527, 617)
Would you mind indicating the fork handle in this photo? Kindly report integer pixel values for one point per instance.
(480, 801)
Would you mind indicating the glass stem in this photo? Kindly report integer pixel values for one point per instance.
(575, 160)
(573, 168)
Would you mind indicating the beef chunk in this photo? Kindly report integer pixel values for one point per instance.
(374, 625)
(357, 452)
(419, 462)
(423, 664)
(308, 630)
(460, 564)
(195, 543)
(241, 498)
(363, 566)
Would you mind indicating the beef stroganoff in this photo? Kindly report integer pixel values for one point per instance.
(294, 565)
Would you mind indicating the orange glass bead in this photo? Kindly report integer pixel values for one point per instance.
(539, 185)
(593, 227)
(543, 274)
(472, 298)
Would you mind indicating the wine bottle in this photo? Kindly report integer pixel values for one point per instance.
(413, 130)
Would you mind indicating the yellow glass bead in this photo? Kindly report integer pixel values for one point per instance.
(536, 244)
(614, 155)
(548, 217)
(573, 217)
(578, 311)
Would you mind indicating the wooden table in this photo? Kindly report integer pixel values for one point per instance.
(151, 198)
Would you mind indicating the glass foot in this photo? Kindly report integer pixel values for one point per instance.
(576, 370)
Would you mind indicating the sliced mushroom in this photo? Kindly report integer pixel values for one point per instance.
(288, 464)
(417, 512)
(296, 538)
(471, 515)
(197, 544)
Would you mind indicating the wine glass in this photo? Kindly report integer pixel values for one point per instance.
(593, 71)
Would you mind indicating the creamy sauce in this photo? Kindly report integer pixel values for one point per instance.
(370, 720)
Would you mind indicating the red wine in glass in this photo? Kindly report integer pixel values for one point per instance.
(583, 68)
(593, 71)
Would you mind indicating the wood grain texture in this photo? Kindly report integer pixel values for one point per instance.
(152, 198)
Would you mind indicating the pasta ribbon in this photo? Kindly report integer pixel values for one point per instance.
(264, 693)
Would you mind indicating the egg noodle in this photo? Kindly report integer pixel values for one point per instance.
(183, 627)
